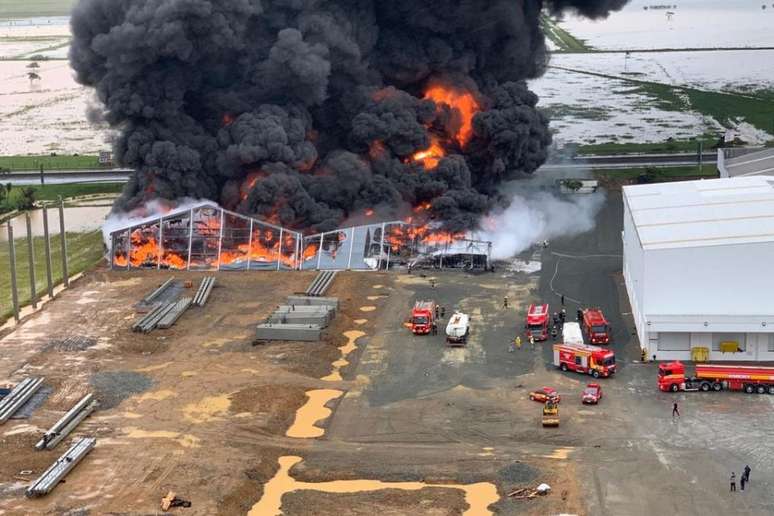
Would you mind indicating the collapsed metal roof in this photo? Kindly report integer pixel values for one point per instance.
(205, 236)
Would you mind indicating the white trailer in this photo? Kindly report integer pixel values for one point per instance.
(457, 329)
(572, 334)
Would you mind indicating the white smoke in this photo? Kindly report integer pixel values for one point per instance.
(539, 212)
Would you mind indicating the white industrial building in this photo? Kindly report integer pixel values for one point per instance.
(697, 262)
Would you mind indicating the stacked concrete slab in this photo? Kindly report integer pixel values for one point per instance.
(302, 318)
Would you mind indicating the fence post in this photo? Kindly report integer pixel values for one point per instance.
(47, 238)
(12, 256)
(31, 261)
(65, 275)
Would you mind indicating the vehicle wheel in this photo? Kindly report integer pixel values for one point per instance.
(771, 389)
(761, 389)
(673, 387)
(705, 386)
(749, 389)
(717, 387)
(532, 398)
(595, 373)
(564, 367)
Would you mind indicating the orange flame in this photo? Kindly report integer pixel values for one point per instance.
(431, 156)
(463, 102)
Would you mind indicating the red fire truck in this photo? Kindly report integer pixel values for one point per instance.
(537, 322)
(595, 326)
(584, 359)
(716, 377)
(422, 317)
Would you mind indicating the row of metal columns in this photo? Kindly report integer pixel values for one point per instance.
(31, 259)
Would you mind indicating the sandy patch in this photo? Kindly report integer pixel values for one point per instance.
(207, 409)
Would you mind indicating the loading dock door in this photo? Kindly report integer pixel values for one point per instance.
(673, 341)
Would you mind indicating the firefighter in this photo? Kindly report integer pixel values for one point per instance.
(437, 311)
(435, 328)
(517, 340)
(443, 312)
(564, 315)
(532, 341)
(579, 315)
(556, 318)
(505, 302)
(554, 333)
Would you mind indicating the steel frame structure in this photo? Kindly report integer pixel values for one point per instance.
(208, 237)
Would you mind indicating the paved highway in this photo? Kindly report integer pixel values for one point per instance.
(576, 164)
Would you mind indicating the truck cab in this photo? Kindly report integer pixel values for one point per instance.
(537, 322)
(671, 376)
(595, 327)
(422, 317)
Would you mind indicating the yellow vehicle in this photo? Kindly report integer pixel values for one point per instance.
(551, 413)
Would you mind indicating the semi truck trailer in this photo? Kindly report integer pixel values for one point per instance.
(716, 377)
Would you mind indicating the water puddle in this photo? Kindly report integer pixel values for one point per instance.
(367, 308)
(346, 349)
(207, 409)
(311, 412)
(478, 496)
(184, 440)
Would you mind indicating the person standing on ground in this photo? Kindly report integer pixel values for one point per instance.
(733, 481)
(505, 302)
(512, 345)
(742, 482)
(579, 315)
(518, 341)
(746, 474)
(675, 411)
(435, 329)
(564, 315)
(443, 312)
(432, 282)
(532, 341)
(437, 311)
(554, 333)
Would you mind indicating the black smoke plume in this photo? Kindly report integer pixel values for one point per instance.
(309, 111)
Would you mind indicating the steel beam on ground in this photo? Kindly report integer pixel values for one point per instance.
(65, 275)
(31, 261)
(59, 469)
(47, 238)
(12, 259)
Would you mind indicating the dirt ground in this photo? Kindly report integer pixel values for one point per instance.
(195, 404)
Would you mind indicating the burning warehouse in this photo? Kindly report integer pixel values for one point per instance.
(204, 237)
(316, 115)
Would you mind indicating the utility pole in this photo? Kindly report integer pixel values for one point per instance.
(42, 176)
